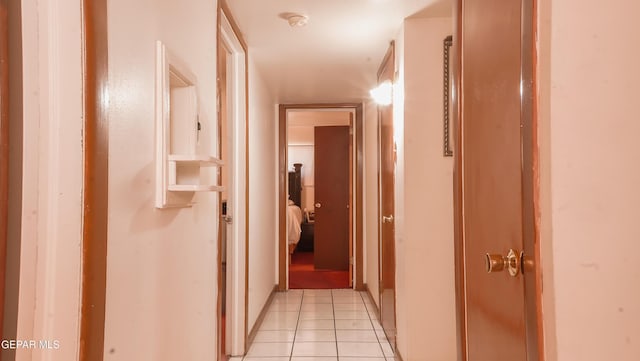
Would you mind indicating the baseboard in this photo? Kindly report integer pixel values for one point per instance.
(398, 357)
(263, 313)
(373, 302)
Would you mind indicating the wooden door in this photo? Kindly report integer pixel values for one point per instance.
(494, 165)
(387, 208)
(331, 182)
(4, 149)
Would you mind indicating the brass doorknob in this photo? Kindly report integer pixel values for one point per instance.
(318, 205)
(494, 262)
(497, 263)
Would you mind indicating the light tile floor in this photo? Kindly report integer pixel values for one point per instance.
(320, 325)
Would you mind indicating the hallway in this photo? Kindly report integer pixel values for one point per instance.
(320, 325)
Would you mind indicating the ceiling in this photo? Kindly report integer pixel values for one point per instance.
(335, 57)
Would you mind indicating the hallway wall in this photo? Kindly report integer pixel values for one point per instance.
(161, 266)
(300, 147)
(370, 200)
(262, 193)
(589, 157)
(424, 232)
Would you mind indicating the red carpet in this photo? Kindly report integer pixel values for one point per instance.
(303, 275)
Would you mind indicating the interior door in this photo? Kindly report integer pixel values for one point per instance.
(331, 184)
(387, 208)
(495, 184)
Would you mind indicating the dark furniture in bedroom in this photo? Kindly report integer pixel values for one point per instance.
(295, 185)
(306, 238)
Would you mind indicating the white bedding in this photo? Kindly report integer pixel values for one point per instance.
(294, 219)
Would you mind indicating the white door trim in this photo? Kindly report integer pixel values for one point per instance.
(237, 237)
(51, 235)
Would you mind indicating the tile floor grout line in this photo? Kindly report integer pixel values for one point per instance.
(293, 343)
(374, 329)
(335, 326)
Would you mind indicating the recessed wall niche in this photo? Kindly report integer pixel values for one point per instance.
(179, 169)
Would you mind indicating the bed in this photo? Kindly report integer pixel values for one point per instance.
(294, 212)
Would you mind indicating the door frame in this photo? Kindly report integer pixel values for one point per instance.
(389, 61)
(358, 166)
(4, 151)
(530, 182)
(229, 33)
(95, 181)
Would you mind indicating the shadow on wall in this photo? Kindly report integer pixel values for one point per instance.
(146, 217)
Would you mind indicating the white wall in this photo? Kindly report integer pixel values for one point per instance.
(300, 134)
(425, 267)
(161, 265)
(590, 153)
(370, 200)
(300, 141)
(304, 154)
(262, 198)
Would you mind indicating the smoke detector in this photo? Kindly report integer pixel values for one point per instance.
(295, 20)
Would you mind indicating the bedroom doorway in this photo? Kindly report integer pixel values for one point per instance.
(318, 217)
(321, 202)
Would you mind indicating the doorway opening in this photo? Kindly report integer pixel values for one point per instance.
(320, 211)
(319, 234)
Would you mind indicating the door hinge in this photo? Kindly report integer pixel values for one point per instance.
(351, 261)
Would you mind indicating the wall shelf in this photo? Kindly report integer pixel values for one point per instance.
(194, 188)
(202, 160)
(180, 171)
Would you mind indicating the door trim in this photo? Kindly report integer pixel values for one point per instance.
(530, 182)
(4, 151)
(388, 61)
(223, 10)
(282, 187)
(530, 179)
(95, 182)
(458, 245)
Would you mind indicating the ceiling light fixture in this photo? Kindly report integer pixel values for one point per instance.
(297, 20)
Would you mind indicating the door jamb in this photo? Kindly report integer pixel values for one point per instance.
(95, 182)
(389, 60)
(223, 10)
(4, 151)
(282, 188)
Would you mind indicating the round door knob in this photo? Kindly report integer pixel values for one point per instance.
(497, 263)
(318, 205)
(494, 262)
